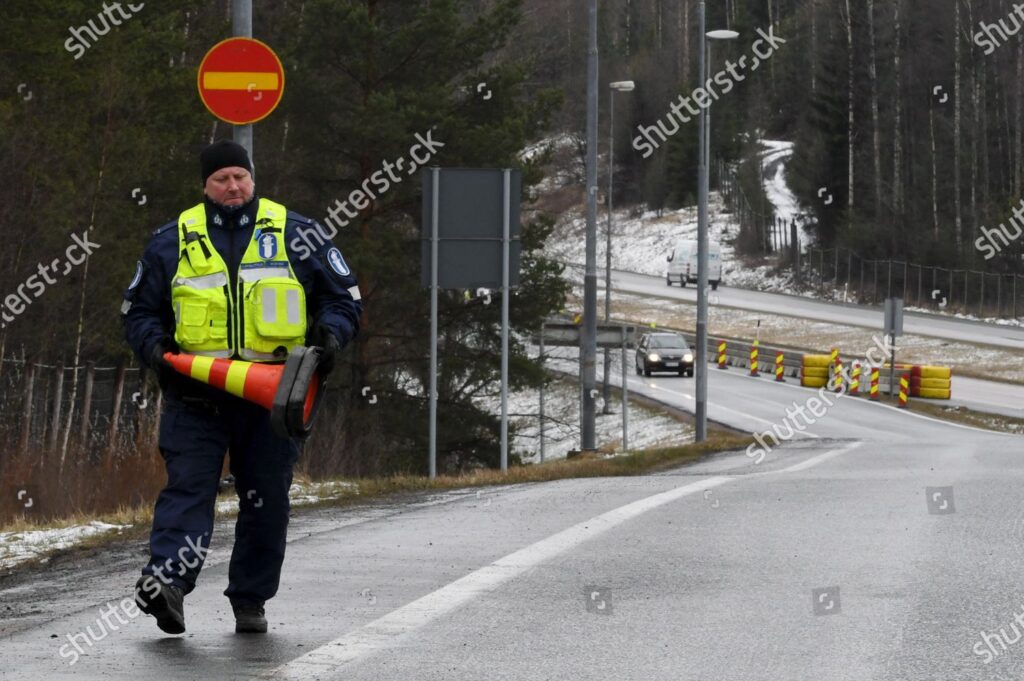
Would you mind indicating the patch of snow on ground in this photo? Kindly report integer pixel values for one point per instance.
(18, 547)
(647, 427)
(302, 494)
(773, 161)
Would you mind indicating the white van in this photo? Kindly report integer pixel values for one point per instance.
(682, 264)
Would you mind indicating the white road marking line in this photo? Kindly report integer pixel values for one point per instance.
(820, 458)
(863, 400)
(770, 424)
(383, 632)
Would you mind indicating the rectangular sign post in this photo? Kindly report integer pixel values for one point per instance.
(505, 295)
(625, 391)
(564, 334)
(893, 328)
(436, 188)
(541, 424)
(470, 240)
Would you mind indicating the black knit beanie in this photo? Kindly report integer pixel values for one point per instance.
(223, 154)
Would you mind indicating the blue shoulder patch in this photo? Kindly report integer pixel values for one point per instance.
(292, 215)
(161, 230)
(337, 263)
(139, 269)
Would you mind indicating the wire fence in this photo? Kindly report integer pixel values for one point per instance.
(761, 231)
(841, 273)
(85, 410)
(984, 294)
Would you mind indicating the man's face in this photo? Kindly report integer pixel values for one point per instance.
(230, 186)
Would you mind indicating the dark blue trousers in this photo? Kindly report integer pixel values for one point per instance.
(193, 440)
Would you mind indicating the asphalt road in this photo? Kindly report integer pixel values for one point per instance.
(937, 326)
(979, 395)
(710, 571)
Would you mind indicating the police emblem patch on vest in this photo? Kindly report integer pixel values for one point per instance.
(267, 246)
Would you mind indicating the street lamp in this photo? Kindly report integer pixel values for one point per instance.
(701, 360)
(713, 35)
(619, 86)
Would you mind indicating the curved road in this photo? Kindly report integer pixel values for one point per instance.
(828, 558)
(979, 395)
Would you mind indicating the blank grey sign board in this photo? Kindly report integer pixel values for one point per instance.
(470, 264)
(471, 214)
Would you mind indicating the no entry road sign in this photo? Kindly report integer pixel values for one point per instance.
(241, 81)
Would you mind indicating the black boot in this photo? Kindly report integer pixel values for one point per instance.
(165, 602)
(249, 618)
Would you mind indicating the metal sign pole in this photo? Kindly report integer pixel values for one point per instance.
(506, 294)
(436, 189)
(241, 27)
(701, 365)
(588, 340)
(625, 394)
(892, 363)
(542, 392)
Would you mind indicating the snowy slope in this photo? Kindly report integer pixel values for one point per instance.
(774, 158)
(647, 427)
(641, 240)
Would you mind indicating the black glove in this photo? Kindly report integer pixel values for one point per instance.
(163, 369)
(325, 338)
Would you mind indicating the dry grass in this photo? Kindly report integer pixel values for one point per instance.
(349, 492)
(969, 417)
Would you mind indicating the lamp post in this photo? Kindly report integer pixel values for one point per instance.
(620, 86)
(701, 359)
(712, 36)
(588, 339)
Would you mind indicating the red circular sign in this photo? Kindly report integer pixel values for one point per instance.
(241, 81)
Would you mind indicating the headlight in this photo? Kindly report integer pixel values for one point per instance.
(653, 357)
(687, 357)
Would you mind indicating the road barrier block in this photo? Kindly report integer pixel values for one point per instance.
(932, 372)
(918, 382)
(904, 390)
(814, 371)
(930, 382)
(932, 393)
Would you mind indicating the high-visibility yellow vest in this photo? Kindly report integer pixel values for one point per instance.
(263, 318)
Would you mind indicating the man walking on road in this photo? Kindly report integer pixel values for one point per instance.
(220, 282)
